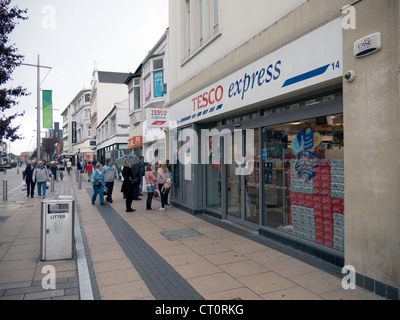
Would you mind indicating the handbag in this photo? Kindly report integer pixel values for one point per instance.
(156, 193)
(97, 183)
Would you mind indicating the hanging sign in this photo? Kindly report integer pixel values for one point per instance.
(47, 109)
(157, 118)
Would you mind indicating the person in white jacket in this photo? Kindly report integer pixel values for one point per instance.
(41, 176)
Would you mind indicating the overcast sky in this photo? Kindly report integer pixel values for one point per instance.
(70, 36)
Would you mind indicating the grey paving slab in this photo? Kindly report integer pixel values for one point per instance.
(163, 281)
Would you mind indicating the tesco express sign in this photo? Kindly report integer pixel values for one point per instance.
(312, 59)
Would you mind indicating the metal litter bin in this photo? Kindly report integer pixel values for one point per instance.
(57, 229)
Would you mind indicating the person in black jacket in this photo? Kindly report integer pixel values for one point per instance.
(128, 185)
(136, 171)
(27, 175)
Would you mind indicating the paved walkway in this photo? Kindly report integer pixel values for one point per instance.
(168, 255)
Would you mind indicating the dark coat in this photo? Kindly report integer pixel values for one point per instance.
(27, 174)
(136, 171)
(127, 185)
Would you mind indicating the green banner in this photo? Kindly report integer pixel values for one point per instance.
(47, 109)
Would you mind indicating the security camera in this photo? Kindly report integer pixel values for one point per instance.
(349, 75)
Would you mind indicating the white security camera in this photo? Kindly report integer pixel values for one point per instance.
(350, 75)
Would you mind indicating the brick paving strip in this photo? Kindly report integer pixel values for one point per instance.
(163, 281)
(66, 288)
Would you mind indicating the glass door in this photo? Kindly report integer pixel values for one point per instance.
(252, 186)
(234, 191)
(276, 170)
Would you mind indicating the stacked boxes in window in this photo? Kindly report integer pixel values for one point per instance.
(302, 208)
(323, 203)
(337, 172)
(320, 199)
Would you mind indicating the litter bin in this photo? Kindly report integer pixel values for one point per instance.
(57, 229)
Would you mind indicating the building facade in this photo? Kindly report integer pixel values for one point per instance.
(113, 132)
(260, 136)
(107, 88)
(147, 94)
(67, 151)
(81, 126)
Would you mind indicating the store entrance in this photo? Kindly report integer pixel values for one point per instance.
(243, 180)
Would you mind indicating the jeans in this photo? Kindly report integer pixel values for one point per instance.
(41, 187)
(149, 196)
(90, 174)
(110, 187)
(98, 190)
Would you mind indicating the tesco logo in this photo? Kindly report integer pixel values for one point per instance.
(205, 99)
(158, 112)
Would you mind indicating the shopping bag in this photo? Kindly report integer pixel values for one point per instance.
(22, 187)
(144, 186)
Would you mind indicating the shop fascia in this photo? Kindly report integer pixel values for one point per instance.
(312, 59)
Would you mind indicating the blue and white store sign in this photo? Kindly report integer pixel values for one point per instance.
(315, 58)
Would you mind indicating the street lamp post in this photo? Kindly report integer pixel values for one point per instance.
(38, 110)
(38, 66)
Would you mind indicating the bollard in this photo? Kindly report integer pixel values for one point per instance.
(52, 183)
(4, 190)
(17, 170)
(80, 181)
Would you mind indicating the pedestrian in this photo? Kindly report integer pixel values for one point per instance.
(128, 185)
(142, 165)
(136, 171)
(89, 170)
(165, 189)
(151, 181)
(54, 169)
(27, 175)
(98, 185)
(78, 166)
(41, 176)
(61, 170)
(110, 172)
(162, 176)
(69, 166)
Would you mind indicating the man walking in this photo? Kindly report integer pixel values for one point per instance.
(27, 175)
(41, 176)
(110, 174)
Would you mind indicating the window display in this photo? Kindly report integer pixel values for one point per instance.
(304, 179)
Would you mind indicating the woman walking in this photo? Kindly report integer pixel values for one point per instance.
(98, 185)
(128, 185)
(162, 176)
(151, 181)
